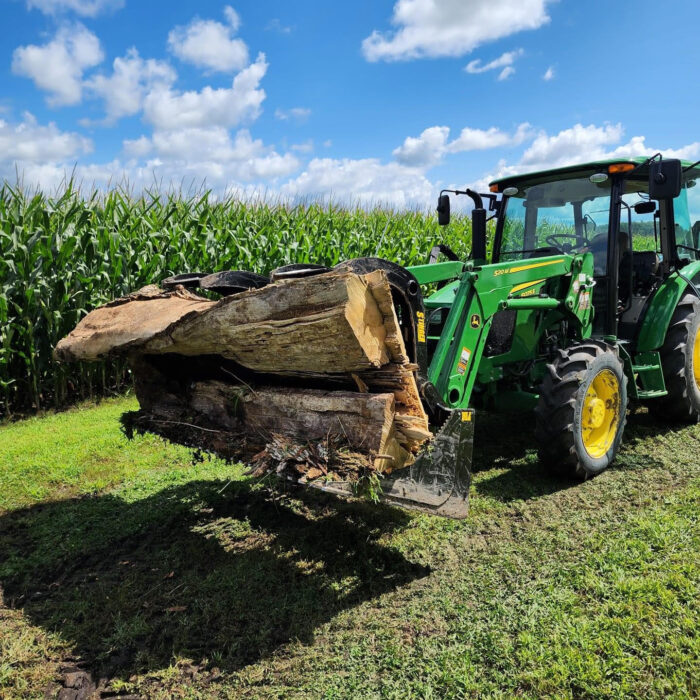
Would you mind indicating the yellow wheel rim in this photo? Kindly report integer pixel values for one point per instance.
(696, 358)
(601, 411)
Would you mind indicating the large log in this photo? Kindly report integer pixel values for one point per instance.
(126, 324)
(367, 423)
(364, 421)
(326, 323)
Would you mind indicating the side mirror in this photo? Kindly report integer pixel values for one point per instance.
(645, 207)
(443, 209)
(665, 177)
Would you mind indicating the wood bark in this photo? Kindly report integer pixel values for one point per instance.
(366, 422)
(127, 323)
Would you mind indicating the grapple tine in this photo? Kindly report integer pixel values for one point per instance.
(438, 481)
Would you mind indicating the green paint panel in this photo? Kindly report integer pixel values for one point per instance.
(482, 292)
(656, 321)
(437, 272)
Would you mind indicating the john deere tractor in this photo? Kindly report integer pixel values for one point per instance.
(585, 299)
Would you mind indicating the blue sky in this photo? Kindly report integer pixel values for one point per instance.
(365, 101)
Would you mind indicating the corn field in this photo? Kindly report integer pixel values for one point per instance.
(65, 254)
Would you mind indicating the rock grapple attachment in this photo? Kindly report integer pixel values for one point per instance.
(308, 376)
(438, 481)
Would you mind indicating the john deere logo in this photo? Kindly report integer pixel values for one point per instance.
(476, 320)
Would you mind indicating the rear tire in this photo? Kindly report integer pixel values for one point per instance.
(680, 361)
(582, 410)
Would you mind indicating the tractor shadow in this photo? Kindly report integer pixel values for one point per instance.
(204, 571)
(506, 444)
(505, 460)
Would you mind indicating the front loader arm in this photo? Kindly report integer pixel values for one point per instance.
(482, 292)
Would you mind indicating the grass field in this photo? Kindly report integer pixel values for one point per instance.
(175, 578)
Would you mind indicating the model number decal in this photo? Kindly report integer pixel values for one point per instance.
(522, 268)
(421, 326)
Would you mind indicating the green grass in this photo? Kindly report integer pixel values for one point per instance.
(181, 578)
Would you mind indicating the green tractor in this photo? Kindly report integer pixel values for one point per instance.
(585, 299)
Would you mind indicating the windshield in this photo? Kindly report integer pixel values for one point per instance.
(687, 232)
(563, 216)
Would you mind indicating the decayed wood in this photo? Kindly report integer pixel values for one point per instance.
(380, 290)
(398, 378)
(127, 323)
(325, 323)
(411, 431)
(365, 421)
(332, 340)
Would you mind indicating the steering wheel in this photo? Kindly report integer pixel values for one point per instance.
(553, 241)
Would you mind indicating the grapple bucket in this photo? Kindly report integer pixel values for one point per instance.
(438, 481)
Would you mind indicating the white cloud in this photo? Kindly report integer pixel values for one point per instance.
(132, 77)
(232, 17)
(580, 144)
(430, 147)
(299, 114)
(275, 25)
(137, 148)
(57, 67)
(211, 153)
(168, 109)
(86, 8)
(53, 176)
(637, 147)
(570, 145)
(366, 182)
(209, 44)
(306, 147)
(243, 166)
(425, 150)
(548, 74)
(197, 157)
(506, 73)
(482, 139)
(504, 61)
(431, 28)
(31, 142)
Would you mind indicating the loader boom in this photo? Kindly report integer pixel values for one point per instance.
(479, 293)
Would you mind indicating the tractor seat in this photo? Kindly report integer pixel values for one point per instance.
(645, 264)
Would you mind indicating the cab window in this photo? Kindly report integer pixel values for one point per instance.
(686, 209)
(564, 216)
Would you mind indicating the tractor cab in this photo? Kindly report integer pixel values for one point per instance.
(604, 208)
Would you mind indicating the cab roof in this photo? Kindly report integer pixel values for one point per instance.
(584, 169)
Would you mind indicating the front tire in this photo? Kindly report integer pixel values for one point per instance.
(582, 410)
(680, 361)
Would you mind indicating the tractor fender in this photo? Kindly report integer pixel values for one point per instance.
(657, 318)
